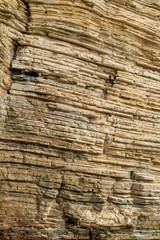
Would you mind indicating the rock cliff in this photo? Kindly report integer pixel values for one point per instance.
(80, 119)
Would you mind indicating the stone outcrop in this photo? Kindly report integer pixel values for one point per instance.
(80, 119)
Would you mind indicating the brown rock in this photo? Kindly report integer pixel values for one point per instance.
(79, 119)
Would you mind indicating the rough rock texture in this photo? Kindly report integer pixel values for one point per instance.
(80, 119)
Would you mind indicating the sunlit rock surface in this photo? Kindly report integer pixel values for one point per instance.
(80, 119)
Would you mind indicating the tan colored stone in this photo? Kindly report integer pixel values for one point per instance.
(79, 119)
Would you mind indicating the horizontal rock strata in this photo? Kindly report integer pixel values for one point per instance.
(80, 119)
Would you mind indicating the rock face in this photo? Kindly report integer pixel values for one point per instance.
(80, 119)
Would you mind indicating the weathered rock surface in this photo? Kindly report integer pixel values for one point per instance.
(80, 119)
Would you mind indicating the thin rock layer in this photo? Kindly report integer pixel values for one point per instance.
(80, 119)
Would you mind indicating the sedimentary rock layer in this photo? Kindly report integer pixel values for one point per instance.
(80, 119)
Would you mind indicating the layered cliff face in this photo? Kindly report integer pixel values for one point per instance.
(80, 119)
